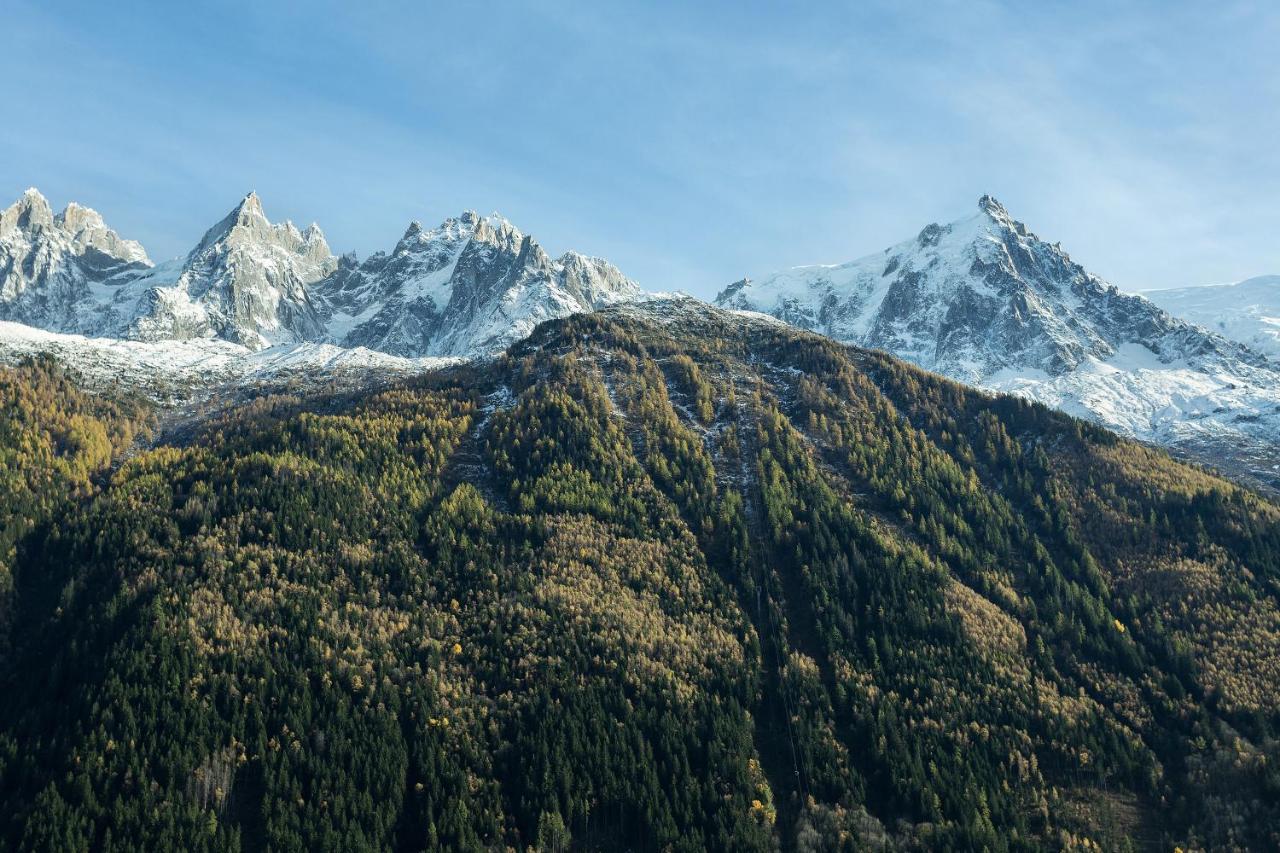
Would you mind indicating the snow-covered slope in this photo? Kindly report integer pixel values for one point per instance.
(474, 285)
(1247, 311)
(181, 370)
(986, 301)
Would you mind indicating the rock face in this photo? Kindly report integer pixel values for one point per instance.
(472, 285)
(974, 298)
(986, 301)
(246, 282)
(1247, 311)
(59, 272)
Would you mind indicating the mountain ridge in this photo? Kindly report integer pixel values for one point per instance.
(260, 284)
(473, 283)
(984, 300)
(1247, 311)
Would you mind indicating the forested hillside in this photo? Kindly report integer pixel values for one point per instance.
(659, 578)
(54, 440)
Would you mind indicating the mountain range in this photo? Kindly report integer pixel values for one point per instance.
(657, 576)
(472, 286)
(982, 300)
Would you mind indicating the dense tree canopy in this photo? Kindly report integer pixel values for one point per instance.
(694, 584)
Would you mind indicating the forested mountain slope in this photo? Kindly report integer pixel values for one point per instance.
(660, 577)
(54, 440)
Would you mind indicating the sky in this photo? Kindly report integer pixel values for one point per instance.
(689, 143)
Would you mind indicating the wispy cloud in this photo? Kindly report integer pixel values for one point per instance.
(690, 143)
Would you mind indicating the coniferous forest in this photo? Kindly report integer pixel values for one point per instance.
(644, 583)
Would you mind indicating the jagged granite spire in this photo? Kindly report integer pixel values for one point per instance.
(988, 204)
(246, 281)
(50, 266)
(474, 284)
(29, 213)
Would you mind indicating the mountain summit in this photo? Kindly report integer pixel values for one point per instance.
(473, 284)
(986, 301)
(246, 281)
(53, 267)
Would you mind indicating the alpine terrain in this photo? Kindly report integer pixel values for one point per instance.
(1247, 311)
(255, 297)
(985, 301)
(471, 286)
(472, 542)
(661, 577)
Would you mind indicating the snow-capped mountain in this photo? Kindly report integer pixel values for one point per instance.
(1247, 311)
(985, 301)
(468, 288)
(57, 271)
(472, 285)
(982, 300)
(246, 281)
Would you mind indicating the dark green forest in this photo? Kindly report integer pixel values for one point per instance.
(646, 582)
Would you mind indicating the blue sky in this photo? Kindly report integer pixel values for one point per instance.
(689, 143)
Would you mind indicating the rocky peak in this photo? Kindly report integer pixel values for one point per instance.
(416, 236)
(497, 231)
(995, 213)
(249, 209)
(595, 281)
(29, 213)
(450, 232)
(531, 252)
(77, 218)
(971, 298)
(73, 232)
(247, 227)
(931, 234)
(86, 230)
(993, 208)
(240, 215)
(576, 262)
(247, 281)
(315, 247)
(471, 285)
(50, 264)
